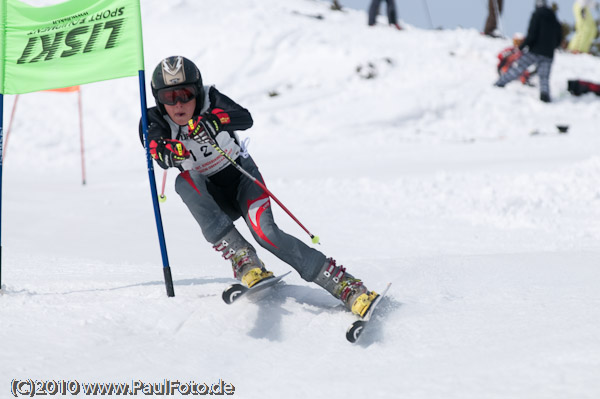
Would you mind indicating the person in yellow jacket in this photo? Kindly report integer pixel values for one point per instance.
(585, 27)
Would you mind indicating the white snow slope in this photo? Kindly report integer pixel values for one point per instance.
(425, 176)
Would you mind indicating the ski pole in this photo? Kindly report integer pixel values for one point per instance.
(428, 13)
(162, 197)
(314, 238)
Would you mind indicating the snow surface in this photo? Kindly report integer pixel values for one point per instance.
(425, 176)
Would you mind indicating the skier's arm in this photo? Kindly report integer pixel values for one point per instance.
(160, 127)
(532, 33)
(559, 34)
(236, 117)
(158, 132)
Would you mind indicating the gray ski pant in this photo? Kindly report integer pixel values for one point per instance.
(216, 208)
(374, 11)
(544, 64)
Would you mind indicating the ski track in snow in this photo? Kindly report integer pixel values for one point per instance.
(425, 176)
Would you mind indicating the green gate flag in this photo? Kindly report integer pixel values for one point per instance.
(67, 44)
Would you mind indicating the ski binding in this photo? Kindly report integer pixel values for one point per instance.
(237, 290)
(356, 329)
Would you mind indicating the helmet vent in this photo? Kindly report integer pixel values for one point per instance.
(173, 71)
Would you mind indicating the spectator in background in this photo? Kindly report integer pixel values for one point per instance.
(391, 13)
(585, 26)
(543, 37)
(491, 23)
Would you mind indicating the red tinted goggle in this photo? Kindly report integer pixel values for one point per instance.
(182, 94)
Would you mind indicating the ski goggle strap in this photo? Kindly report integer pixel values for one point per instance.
(182, 94)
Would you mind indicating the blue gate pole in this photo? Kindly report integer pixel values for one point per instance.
(159, 226)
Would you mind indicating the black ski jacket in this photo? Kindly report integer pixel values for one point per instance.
(544, 33)
(204, 160)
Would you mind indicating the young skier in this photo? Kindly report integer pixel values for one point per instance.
(189, 118)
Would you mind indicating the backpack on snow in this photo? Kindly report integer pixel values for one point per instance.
(579, 87)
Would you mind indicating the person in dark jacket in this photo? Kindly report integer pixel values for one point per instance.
(187, 128)
(543, 37)
(391, 13)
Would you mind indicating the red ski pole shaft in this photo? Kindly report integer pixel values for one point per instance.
(164, 182)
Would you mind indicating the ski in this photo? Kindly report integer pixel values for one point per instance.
(237, 290)
(356, 329)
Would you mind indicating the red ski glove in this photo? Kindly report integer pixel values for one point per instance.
(170, 152)
(204, 128)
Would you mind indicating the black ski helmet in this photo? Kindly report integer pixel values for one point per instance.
(177, 71)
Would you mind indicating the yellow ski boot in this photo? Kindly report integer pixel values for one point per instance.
(245, 263)
(351, 291)
(363, 303)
